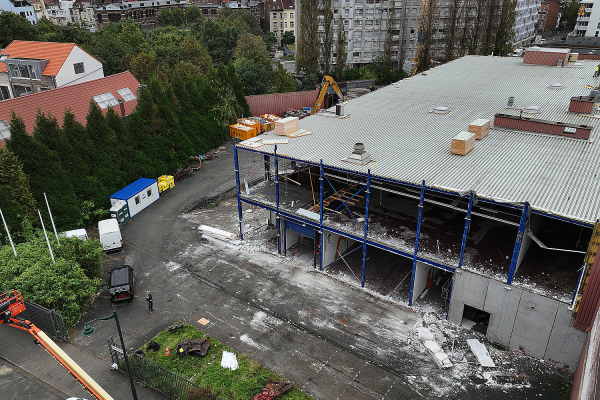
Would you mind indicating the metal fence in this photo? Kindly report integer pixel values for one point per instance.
(151, 374)
(50, 321)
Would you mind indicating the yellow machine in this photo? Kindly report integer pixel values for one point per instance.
(327, 80)
(165, 182)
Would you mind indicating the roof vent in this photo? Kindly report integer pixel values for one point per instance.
(532, 110)
(556, 86)
(441, 110)
(511, 102)
(3, 57)
(359, 155)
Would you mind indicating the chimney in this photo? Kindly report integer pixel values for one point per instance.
(582, 104)
(122, 107)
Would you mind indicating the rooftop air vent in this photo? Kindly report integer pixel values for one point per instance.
(441, 110)
(359, 155)
(511, 102)
(556, 86)
(532, 110)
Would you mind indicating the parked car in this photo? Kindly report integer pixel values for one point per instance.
(78, 233)
(120, 283)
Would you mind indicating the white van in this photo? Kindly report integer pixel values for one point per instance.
(110, 234)
(78, 233)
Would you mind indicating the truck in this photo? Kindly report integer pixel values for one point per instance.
(120, 283)
(110, 235)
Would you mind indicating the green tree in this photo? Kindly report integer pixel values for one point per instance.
(142, 66)
(238, 89)
(254, 76)
(110, 51)
(568, 17)
(389, 34)
(178, 17)
(193, 14)
(327, 36)
(14, 27)
(218, 41)
(287, 38)
(242, 20)
(251, 47)
(307, 56)
(165, 17)
(194, 53)
(132, 37)
(271, 40)
(340, 59)
(282, 80)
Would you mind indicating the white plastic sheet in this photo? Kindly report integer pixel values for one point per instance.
(229, 361)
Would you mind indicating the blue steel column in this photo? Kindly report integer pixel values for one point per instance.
(321, 216)
(237, 186)
(277, 201)
(284, 237)
(466, 231)
(364, 260)
(519, 240)
(414, 268)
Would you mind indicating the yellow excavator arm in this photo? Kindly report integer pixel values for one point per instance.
(327, 80)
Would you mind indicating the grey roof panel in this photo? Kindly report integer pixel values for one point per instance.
(554, 174)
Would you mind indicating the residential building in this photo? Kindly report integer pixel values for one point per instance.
(59, 11)
(143, 12)
(588, 24)
(119, 92)
(83, 13)
(20, 7)
(210, 8)
(39, 8)
(495, 236)
(31, 67)
(366, 25)
(281, 17)
(549, 16)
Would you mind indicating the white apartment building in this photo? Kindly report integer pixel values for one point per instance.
(588, 24)
(19, 7)
(365, 23)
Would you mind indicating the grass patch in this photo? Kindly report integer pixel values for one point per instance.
(213, 204)
(243, 384)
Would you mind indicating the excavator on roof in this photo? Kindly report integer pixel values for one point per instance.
(11, 305)
(327, 80)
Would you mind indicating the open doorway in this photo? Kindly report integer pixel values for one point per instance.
(475, 319)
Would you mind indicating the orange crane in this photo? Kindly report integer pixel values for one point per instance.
(11, 305)
(327, 80)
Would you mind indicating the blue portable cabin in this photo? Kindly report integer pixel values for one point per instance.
(138, 195)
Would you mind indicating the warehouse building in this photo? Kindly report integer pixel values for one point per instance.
(498, 239)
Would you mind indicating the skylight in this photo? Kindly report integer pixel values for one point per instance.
(4, 130)
(105, 100)
(126, 94)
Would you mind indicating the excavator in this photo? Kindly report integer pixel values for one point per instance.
(327, 80)
(11, 305)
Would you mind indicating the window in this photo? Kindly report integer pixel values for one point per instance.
(79, 68)
(105, 100)
(347, 12)
(291, 24)
(137, 200)
(285, 24)
(346, 22)
(358, 12)
(281, 24)
(358, 35)
(126, 94)
(4, 93)
(274, 25)
(356, 54)
(281, 15)
(292, 15)
(274, 15)
(358, 23)
(369, 22)
(149, 192)
(335, 11)
(284, 16)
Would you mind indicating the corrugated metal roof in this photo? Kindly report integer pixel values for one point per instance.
(132, 189)
(554, 174)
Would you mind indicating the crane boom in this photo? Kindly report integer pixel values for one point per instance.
(327, 80)
(12, 304)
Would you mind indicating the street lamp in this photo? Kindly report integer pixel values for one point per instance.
(89, 330)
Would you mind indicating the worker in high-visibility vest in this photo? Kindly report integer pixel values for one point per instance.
(597, 72)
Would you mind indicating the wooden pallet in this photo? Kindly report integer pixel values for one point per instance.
(343, 194)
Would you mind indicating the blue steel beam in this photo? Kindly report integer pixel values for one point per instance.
(277, 202)
(466, 231)
(518, 241)
(237, 186)
(342, 256)
(364, 257)
(414, 266)
(344, 202)
(321, 216)
(349, 235)
(412, 185)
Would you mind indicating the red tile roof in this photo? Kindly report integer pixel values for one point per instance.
(74, 97)
(57, 53)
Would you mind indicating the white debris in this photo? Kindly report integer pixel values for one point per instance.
(481, 353)
(216, 233)
(229, 361)
(425, 334)
(438, 355)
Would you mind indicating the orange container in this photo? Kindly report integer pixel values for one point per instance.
(242, 132)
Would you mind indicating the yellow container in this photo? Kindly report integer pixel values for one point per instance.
(165, 182)
(242, 132)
